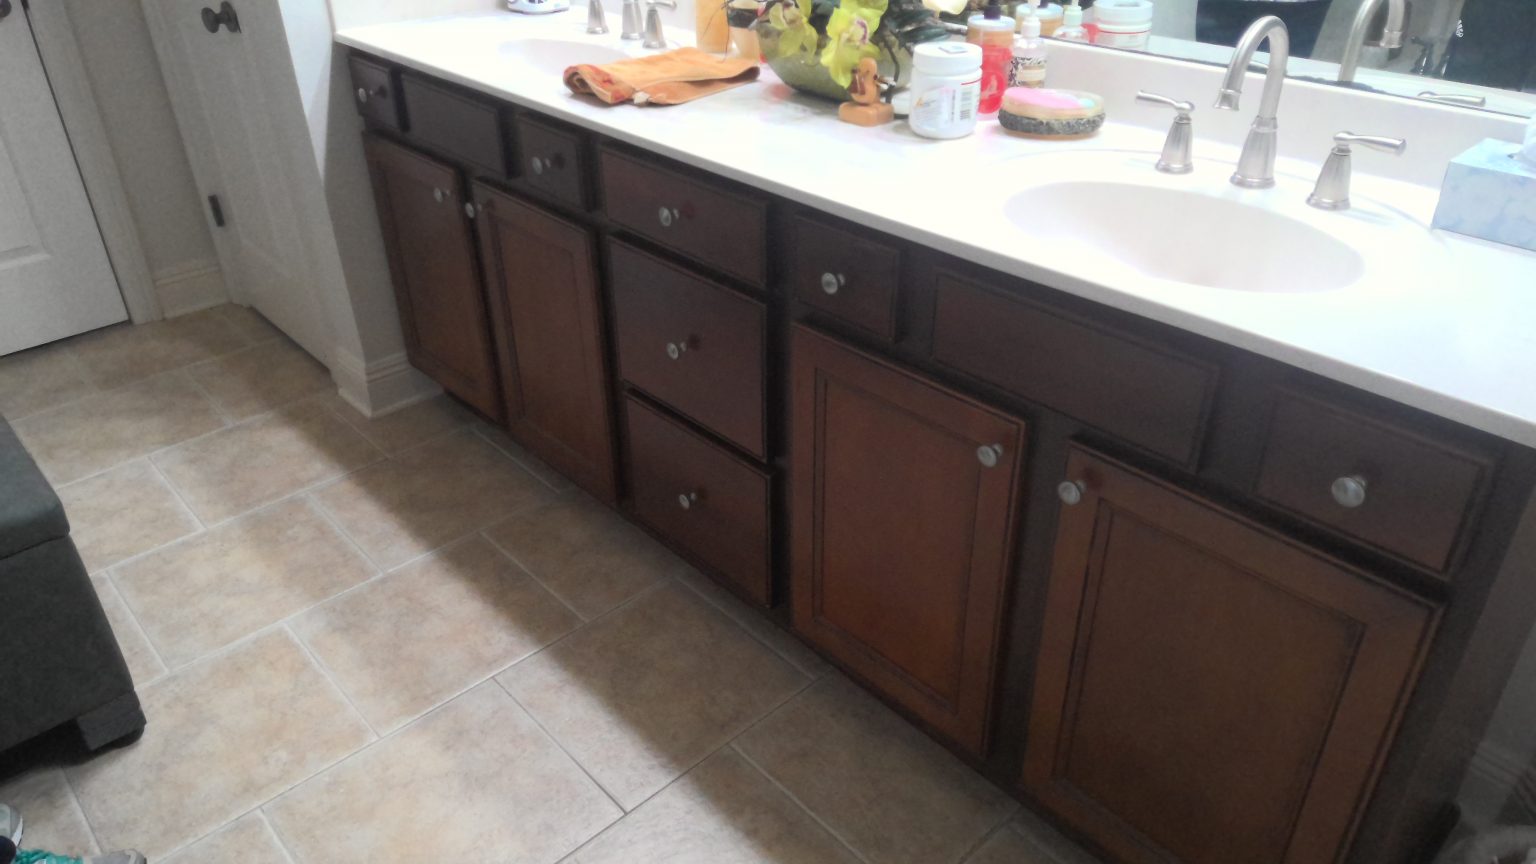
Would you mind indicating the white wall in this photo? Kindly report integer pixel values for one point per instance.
(135, 110)
(355, 13)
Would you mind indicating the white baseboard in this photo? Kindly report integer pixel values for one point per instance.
(190, 287)
(1499, 786)
(382, 386)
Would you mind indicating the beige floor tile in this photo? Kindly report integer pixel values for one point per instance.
(223, 737)
(536, 466)
(1008, 846)
(40, 378)
(639, 696)
(260, 378)
(122, 512)
(217, 587)
(1055, 847)
(476, 780)
(53, 818)
(756, 622)
(143, 664)
(247, 841)
(259, 461)
(405, 643)
(407, 427)
(249, 323)
(118, 355)
(723, 812)
(106, 429)
(418, 500)
(887, 790)
(585, 553)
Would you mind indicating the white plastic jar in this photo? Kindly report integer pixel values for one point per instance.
(1123, 23)
(946, 89)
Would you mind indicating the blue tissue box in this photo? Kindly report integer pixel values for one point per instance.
(1490, 194)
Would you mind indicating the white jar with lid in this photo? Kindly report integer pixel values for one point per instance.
(1123, 23)
(946, 89)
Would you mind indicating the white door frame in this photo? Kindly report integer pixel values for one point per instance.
(72, 92)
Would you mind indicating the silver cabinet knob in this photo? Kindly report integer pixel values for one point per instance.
(676, 350)
(831, 282)
(1349, 491)
(1070, 492)
(470, 209)
(687, 500)
(989, 454)
(667, 215)
(537, 165)
(438, 194)
(362, 95)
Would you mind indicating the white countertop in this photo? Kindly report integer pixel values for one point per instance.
(1443, 323)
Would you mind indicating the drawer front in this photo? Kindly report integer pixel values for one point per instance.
(552, 162)
(1148, 396)
(455, 124)
(699, 218)
(846, 276)
(690, 343)
(1417, 494)
(376, 93)
(710, 503)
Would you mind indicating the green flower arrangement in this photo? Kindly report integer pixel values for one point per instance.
(814, 45)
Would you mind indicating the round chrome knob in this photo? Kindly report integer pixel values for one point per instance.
(667, 215)
(1349, 491)
(470, 210)
(676, 350)
(830, 282)
(1070, 492)
(687, 500)
(537, 165)
(438, 194)
(362, 95)
(988, 454)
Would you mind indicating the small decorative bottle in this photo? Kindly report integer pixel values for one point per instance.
(993, 31)
(1072, 29)
(1029, 56)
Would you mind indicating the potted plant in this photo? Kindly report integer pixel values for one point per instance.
(814, 45)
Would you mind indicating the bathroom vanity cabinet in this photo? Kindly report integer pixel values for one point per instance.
(1194, 605)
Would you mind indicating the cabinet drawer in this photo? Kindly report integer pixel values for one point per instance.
(1418, 493)
(690, 343)
(455, 124)
(552, 162)
(846, 276)
(376, 93)
(707, 501)
(1149, 396)
(699, 218)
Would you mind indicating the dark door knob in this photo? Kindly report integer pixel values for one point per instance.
(5, 9)
(212, 20)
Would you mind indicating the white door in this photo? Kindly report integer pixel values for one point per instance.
(229, 90)
(55, 279)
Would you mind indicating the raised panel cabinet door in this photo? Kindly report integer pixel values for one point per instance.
(903, 499)
(542, 274)
(431, 251)
(1208, 691)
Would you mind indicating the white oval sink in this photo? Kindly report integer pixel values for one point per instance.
(1190, 237)
(555, 55)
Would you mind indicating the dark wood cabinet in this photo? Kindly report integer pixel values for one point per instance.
(1208, 691)
(430, 244)
(541, 270)
(903, 497)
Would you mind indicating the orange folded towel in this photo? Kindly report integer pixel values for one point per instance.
(661, 79)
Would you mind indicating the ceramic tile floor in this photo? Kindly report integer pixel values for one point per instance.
(403, 639)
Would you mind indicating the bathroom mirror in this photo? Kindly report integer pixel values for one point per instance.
(1474, 53)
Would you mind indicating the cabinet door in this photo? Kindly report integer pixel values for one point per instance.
(542, 274)
(1207, 691)
(431, 253)
(903, 500)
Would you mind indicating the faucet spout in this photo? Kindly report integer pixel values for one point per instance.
(1391, 34)
(1256, 166)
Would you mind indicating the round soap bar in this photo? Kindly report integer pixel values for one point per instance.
(1045, 113)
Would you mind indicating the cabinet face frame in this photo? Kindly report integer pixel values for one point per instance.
(818, 364)
(1391, 630)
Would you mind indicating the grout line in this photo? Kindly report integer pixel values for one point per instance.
(720, 607)
(569, 755)
(74, 796)
(981, 842)
(482, 431)
(164, 478)
(133, 618)
(325, 672)
(228, 418)
(485, 533)
(831, 832)
(330, 519)
(276, 835)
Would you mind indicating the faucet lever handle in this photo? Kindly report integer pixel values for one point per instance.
(1376, 142)
(1184, 108)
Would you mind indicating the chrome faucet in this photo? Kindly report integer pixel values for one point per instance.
(597, 22)
(631, 20)
(1391, 34)
(1256, 166)
(653, 34)
(1332, 189)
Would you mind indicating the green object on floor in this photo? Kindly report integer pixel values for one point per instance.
(37, 856)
